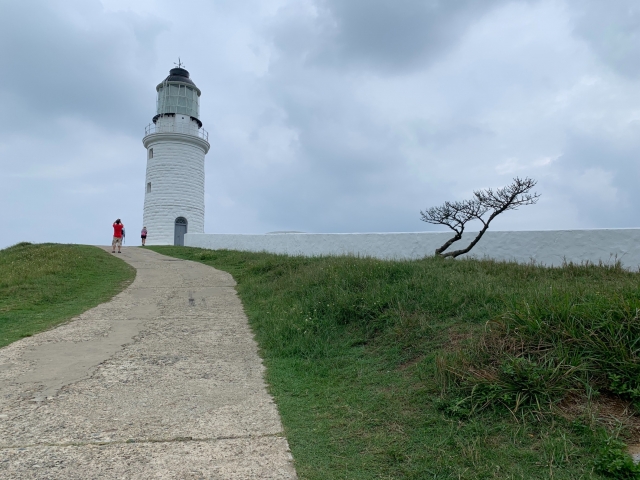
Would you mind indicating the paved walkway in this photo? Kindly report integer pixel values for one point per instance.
(163, 381)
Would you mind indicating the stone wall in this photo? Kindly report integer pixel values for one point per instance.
(547, 247)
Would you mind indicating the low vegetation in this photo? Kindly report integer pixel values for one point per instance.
(45, 284)
(445, 369)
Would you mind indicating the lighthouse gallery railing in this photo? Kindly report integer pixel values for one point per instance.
(185, 129)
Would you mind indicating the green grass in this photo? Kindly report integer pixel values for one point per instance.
(438, 369)
(43, 285)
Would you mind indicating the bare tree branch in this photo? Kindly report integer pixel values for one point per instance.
(456, 215)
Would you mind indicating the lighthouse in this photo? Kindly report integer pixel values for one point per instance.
(176, 146)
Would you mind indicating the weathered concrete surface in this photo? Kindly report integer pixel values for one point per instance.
(164, 381)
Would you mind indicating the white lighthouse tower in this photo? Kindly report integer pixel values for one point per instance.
(176, 145)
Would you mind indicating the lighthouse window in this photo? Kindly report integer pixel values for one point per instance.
(148, 187)
(151, 153)
(181, 99)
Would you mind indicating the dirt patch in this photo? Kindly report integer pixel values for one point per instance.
(634, 449)
(616, 411)
(610, 411)
(457, 339)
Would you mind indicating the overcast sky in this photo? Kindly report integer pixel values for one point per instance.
(323, 115)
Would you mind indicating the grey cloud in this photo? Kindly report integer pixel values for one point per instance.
(445, 133)
(353, 169)
(612, 30)
(390, 36)
(346, 174)
(601, 177)
(87, 64)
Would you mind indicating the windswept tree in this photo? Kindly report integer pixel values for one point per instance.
(484, 206)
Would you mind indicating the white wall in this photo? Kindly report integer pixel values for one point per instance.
(546, 247)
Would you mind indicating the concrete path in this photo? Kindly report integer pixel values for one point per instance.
(163, 381)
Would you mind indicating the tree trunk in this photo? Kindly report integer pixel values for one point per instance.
(457, 253)
(449, 242)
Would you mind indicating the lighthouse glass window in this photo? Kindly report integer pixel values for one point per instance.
(177, 98)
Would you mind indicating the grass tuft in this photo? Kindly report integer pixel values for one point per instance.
(555, 344)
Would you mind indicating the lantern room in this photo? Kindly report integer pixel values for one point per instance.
(178, 94)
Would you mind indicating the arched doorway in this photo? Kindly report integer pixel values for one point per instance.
(179, 231)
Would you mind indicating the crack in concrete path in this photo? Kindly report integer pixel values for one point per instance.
(147, 440)
(121, 389)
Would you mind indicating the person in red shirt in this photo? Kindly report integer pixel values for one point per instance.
(118, 227)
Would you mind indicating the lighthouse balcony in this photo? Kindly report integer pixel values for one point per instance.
(185, 129)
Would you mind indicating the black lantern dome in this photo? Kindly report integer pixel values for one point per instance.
(178, 75)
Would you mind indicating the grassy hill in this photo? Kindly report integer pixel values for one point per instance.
(437, 369)
(45, 284)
